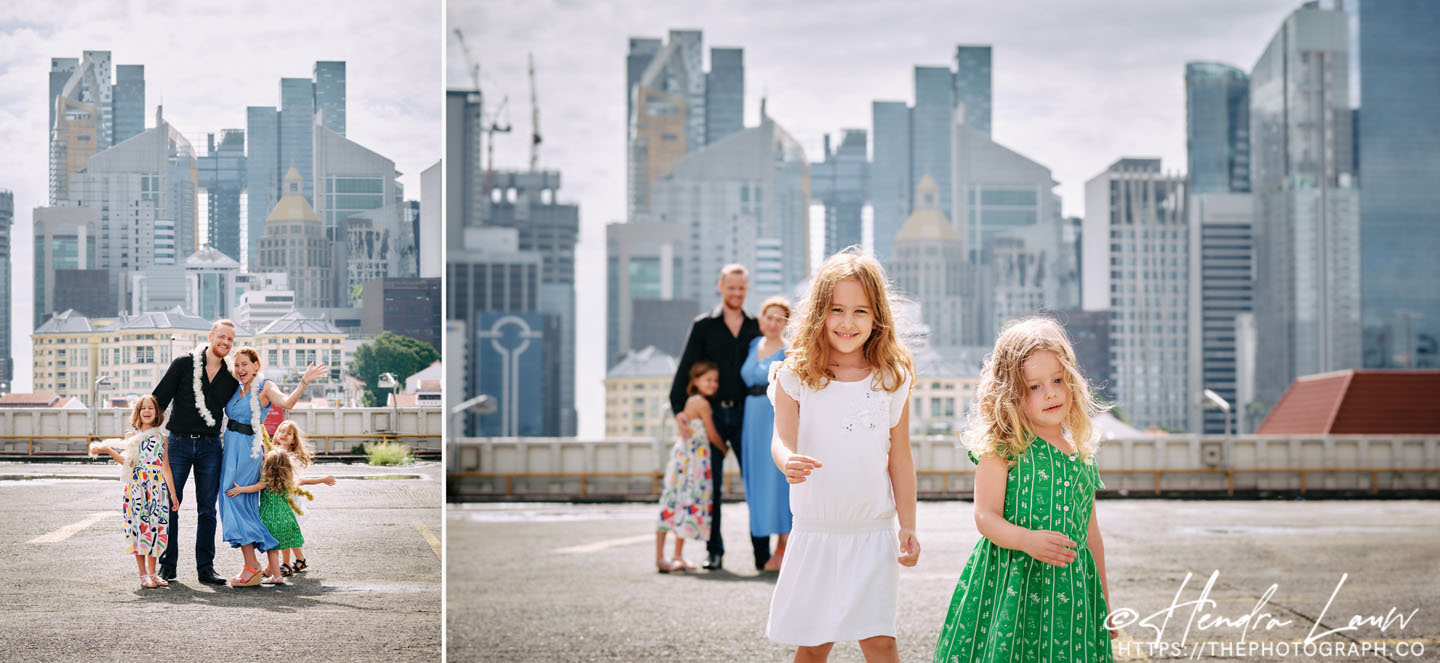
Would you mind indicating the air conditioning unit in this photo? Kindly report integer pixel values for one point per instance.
(1212, 453)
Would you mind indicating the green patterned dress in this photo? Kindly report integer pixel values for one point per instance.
(279, 518)
(1009, 606)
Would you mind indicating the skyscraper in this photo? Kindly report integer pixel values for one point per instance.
(129, 101)
(145, 191)
(7, 217)
(674, 107)
(464, 126)
(1217, 127)
(890, 188)
(280, 140)
(330, 94)
(1399, 200)
(221, 172)
(973, 86)
(724, 93)
(1307, 240)
(840, 183)
(748, 187)
(1136, 248)
(642, 276)
(930, 128)
(262, 188)
(64, 243)
(911, 142)
(1222, 287)
(60, 71)
(549, 229)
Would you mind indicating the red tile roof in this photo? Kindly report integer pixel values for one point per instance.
(41, 399)
(1359, 403)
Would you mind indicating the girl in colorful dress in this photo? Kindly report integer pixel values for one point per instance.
(289, 437)
(686, 501)
(1035, 587)
(842, 421)
(766, 492)
(149, 494)
(244, 445)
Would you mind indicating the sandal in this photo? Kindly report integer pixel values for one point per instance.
(147, 583)
(685, 564)
(159, 582)
(773, 566)
(300, 565)
(286, 571)
(665, 566)
(272, 580)
(252, 581)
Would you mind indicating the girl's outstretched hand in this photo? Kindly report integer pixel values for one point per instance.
(1049, 547)
(798, 468)
(234, 491)
(909, 548)
(328, 480)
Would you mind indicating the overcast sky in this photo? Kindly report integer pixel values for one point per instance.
(1076, 86)
(207, 61)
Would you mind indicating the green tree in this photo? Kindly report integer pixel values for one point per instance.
(389, 353)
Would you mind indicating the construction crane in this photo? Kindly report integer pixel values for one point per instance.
(491, 127)
(534, 120)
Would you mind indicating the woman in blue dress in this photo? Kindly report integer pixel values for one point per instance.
(766, 492)
(243, 453)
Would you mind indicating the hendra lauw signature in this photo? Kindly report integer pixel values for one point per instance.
(1257, 618)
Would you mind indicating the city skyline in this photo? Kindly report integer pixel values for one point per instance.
(1067, 103)
(393, 104)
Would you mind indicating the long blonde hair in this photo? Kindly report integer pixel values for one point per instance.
(303, 454)
(280, 476)
(997, 420)
(809, 353)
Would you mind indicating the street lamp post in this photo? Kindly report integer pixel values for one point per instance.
(388, 381)
(95, 405)
(482, 404)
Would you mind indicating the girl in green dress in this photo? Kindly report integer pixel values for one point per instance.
(1035, 587)
(279, 480)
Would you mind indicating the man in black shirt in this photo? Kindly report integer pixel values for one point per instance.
(198, 385)
(722, 336)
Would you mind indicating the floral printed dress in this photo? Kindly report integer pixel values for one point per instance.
(1009, 606)
(147, 501)
(279, 518)
(686, 501)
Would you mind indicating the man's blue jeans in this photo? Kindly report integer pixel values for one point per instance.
(203, 455)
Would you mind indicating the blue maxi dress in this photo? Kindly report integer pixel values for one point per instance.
(766, 491)
(240, 515)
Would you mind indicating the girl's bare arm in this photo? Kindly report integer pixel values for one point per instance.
(165, 471)
(990, 478)
(327, 480)
(902, 481)
(252, 488)
(272, 393)
(785, 444)
(699, 407)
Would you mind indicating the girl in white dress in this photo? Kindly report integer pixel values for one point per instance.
(842, 420)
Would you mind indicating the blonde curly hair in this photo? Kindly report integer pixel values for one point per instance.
(997, 420)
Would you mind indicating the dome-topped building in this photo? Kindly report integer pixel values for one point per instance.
(928, 265)
(294, 243)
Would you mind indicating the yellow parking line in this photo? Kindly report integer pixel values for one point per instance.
(429, 538)
(609, 543)
(69, 530)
